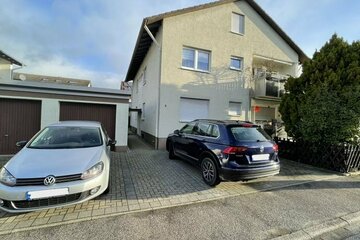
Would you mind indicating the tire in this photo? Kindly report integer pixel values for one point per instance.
(209, 172)
(171, 151)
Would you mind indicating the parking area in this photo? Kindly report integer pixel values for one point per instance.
(144, 179)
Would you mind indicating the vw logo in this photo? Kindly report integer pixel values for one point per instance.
(262, 148)
(49, 180)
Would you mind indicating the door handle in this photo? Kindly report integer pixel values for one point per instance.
(6, 135)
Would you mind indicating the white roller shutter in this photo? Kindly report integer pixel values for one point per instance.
(191, 109)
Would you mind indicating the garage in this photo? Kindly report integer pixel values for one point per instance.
(104, 113)
(19, 120)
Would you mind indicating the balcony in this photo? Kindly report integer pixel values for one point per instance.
(269, 84)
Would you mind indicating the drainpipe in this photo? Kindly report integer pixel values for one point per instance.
(160, 52)
(12, 72)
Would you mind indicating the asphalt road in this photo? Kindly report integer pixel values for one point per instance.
(260, 215)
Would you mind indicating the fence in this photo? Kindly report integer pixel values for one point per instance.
(341, 158)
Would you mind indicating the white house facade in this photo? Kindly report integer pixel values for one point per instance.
(222, 60)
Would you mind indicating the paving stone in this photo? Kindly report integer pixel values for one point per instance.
(55, 219)
(145, 179)
(25, 224)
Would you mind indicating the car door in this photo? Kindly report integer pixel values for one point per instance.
(197, 141)
(181, 139)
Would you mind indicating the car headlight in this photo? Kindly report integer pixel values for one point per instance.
(93, 171)
(6, 177)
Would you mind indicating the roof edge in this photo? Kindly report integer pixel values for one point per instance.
(7, 57)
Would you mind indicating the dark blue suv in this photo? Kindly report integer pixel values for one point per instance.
(228, 150)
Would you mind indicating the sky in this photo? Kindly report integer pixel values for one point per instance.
(94, 39)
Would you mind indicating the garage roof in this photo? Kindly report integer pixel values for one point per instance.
(9, 59)
(144, 41)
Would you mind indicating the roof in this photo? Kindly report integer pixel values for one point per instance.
(52, 88)
(10, 59)
(51, 79)
(144, 41)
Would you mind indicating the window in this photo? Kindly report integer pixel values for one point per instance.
(143, 112)
(188, 128)
(191, 109)
(237, 23)
(205, 129)
(236, 63)
(202, 129)
(196, 59)
(214, 131)
(234, 108)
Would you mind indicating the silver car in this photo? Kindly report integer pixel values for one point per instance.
(65, 163)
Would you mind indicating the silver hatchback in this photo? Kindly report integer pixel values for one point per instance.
(65, 163)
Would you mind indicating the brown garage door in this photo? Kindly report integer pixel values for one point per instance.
(92, 112)
(19, 120)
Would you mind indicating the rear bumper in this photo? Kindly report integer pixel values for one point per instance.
(249, 172)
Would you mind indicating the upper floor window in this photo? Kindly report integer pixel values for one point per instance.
(196, 59)
(236, 63)
(237, 23)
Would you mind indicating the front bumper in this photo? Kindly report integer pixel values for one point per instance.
(15, 201)
(249, 172)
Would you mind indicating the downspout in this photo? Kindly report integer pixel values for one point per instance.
(158, 112)
(12, 72)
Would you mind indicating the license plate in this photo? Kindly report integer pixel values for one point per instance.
(47, 193)
(259, 157)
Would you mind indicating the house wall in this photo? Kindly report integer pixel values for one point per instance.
(147, 123)
(5, 71)
(210, 29)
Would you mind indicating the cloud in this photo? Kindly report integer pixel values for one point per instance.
(94, 39)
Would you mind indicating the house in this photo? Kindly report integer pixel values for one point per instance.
(221, 60)
(28, 106)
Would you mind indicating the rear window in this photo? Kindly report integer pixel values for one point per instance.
(242, 134)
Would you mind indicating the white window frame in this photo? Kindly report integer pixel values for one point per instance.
(237, 31)
(240, 112)
(196, 58)
(241, 61)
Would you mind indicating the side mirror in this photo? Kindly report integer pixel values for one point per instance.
(21, 144)
(177, 132)
(111, 142)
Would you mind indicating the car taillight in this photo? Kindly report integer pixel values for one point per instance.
(276, 147)
(234, 150)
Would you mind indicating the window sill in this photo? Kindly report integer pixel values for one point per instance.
(236, 69)
(237, 33)
(194, 70)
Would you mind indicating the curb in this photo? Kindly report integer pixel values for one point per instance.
(319, 229)
(4, 232)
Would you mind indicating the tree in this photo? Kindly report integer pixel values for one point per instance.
(323, 104)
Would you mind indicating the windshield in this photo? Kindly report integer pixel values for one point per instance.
(243, 134)
(56, 137)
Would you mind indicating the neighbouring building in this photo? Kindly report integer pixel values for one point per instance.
(221, 60)
(51, 79)
(27, 106)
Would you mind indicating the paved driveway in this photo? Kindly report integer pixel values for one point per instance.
(144, 179)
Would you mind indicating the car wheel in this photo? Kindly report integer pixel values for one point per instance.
(171, 151)
(209, 172)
